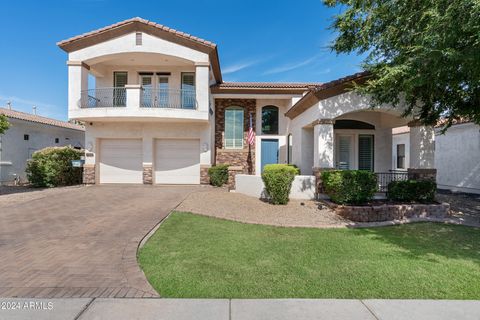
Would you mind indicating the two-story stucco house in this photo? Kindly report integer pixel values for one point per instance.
(159, 112)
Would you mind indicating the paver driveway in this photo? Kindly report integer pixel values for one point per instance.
(81, 242)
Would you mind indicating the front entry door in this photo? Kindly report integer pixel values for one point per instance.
(269, 152)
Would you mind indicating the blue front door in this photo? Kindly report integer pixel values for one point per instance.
(269, 151)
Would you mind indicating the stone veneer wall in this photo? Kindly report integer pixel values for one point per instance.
(422, 174)
(389, 212)
(89, 174)
(204, 177)
(245, 157)
(147, 174)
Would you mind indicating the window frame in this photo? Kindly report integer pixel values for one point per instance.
(277, 120)
(234, 145)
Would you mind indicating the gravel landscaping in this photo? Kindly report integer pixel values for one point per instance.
(220, 203)
(463, 206)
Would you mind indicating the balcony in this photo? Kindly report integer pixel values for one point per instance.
(137, 102)
(149, 98)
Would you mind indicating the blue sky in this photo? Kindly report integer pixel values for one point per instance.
(281, 40)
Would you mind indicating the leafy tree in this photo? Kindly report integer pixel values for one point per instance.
(425, 53)
(4, 125)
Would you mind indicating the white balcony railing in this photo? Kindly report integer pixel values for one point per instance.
(103, 98)
(168, 98)
(148, 98)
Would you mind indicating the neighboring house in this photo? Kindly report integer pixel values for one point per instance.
(159, 112)
(457, 155)
(29, 133)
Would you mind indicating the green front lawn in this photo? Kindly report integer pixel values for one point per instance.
(193, 256)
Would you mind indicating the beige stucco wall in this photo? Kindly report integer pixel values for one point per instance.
(457, 158)
(148, 132)
(344, 106)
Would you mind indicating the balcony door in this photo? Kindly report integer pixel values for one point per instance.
(120, 80)
(148, 100)
(155, 91)
(188, 90)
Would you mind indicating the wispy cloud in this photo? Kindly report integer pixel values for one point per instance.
(19, 100)
(292, 66)
(238, 66)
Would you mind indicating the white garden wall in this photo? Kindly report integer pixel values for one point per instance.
(303, 187)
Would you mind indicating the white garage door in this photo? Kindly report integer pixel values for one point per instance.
(177, 161)
(121, 161)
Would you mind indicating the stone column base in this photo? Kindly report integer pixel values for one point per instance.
(89, 174)
(422, 174)
(232, 172)
(147, 174)
(204, 177)
(317, 172)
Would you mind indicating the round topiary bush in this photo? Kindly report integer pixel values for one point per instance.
(278, 180)
(52, 167)
(218, 175)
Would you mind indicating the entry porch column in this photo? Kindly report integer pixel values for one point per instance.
(323, 149)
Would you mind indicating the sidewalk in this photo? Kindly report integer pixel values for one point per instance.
(224, 309)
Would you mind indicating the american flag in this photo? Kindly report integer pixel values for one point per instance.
(251, 133)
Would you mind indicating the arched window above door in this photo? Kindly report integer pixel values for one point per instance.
(270, 120)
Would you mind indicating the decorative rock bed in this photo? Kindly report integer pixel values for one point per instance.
(389, 212)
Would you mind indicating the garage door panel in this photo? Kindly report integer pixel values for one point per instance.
(121, 161)
(177, 161)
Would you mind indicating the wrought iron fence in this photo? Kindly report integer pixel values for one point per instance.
(168, 98)
(103, 98)
(384, 178)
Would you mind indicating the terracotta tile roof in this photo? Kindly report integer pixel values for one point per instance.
(443, 122)
(324, 91)
(39, 119)
(263, 85)
(133, 20)
(336, 82)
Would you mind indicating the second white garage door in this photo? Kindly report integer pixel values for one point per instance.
(177, 161)
(121, 161)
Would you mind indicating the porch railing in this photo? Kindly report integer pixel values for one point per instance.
(103, 98)
(168, 98)
(384, 178)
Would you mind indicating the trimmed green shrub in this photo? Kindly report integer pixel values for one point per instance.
(297, 169)
(349, 186)
(412, 190)
(278, 180)
(52, 167)
(218, 175)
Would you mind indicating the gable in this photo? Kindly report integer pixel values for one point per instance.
(131, 26)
